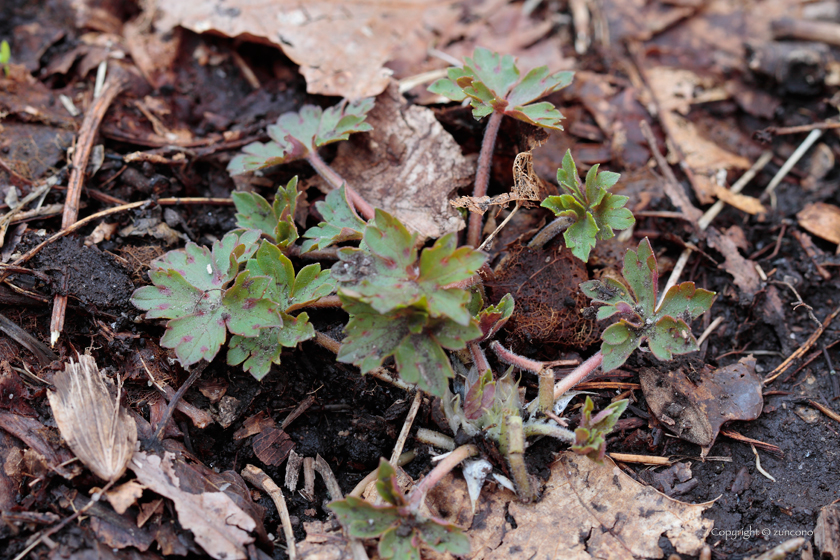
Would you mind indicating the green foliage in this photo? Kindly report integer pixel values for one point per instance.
(295, 135)
(204, 295)
(288, 293)
(493, 83)
(590, 436)
(5, 56)
(400, 305)
(340, 223)
(494, 317)
(275, 221)
(401, 530)
(596, 212)
(666, 328)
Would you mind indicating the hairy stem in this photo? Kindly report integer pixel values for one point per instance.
(482, 174)
(548, 430)
(579, 374)
(479, 359)
(335, 181)
(442, 469)
(548, 233)
(513, 359)
(512, 446)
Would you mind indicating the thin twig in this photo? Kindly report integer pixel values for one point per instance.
(167, 414)
(409, 420)
(258, 478)
(451, 461)
(503, 224)
(788, 165)
(709, 330)
(781, 368)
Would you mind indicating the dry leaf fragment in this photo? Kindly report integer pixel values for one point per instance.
(821, 219)
(220, 527)
(741, 269)
(124, 496)
(742, 202)
(527, 187)
(98, 430)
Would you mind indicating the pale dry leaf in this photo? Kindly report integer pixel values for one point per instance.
(821, 219)
(97, 429)
(341, 47)
(220, 527)
(741, 269)
(527, 187)
(124, 496)
(742, 202)
(408, 165)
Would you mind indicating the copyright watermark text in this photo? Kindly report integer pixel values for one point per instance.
(749, 532)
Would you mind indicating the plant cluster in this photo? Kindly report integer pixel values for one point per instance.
(415, 303)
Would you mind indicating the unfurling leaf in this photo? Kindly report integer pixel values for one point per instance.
(340, 223)
(666, 328)
(89, 416)
(401, 530)
(594, 210)
(276, 221)
(493, 83)
(295, 135)
(590, 436)
(494, 317)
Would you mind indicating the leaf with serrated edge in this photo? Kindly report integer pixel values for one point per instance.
(170, 297)
(619, 343)
(590, 437)
(362, 519)
(340, 223)
(580, 237)
(537, 84)
(642, 276)
(258, 353)
(494, 317)
(542, 114)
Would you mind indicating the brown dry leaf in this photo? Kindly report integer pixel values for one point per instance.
(124, 496)
(696, 408)
(98, 430)
(527, 187)
(220, 527)
(741, 269)
(821, 219)
(742, 202)
(341, 47)
(675, 90)
(272, 446)
(408, 165)
(618, 517)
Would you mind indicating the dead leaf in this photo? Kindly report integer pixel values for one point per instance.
(124, 496)
(324, 542)
(11, 470)
(821, 219)
(272, 446)
(527, 187)
(742, 202)
(695, 408)
(36, 436)
(98, 430)
(100, 233)
(741, 269)
(408, 165)
(253, 425)
(341, 49)
(220, 527)
(587, 511)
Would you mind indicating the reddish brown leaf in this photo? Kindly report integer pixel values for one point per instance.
(272, 446)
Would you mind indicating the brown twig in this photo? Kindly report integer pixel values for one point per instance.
(258, 478)
(167, 414)
(409, 420)
(769, 447)
(783, 130)
(802, 349)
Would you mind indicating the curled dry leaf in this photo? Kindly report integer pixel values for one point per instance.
(821, 219)
(98, 430)
(527, 188)
(220, 527)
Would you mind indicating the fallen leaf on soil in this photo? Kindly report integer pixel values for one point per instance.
(527, 187)
(272, 446)
(98, 430)
(11, 470)
(341, 50)
(741, 269)
(220, 527)
(323, 542)
(587, 511)
(695, 408)
(13, 393)
(37, 436)
(821, 219)
(742, 202)
(124, 496)
(408, 165)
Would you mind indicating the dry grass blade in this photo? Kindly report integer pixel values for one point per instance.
(98, 430)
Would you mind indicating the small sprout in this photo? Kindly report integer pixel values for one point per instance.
(192, 288)
(5, 56)
(493, 83)
(593, 211)
(276, 221)
(401, 529)
(666, 327)
(590, 436)
(297, 135)
(340, 223)
(494, 317)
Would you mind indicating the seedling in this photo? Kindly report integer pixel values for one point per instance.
(401, 305)
(5, 56)
(590, 436)
(587, 212)
(299, 135)
(275, 221)
(340, 223)
(204, 295)
(400, 527)
(493, 84)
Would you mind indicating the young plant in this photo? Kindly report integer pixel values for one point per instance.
(398, 524)
(587, 212)
(494, 86)
(299, 135)
(340, 223)
(5, 56)
(275, 221)
(400, 304)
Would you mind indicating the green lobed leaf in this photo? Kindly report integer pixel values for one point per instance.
(258, 353)
(296, 134)
(580, 237)
(362, 519)
(542, 114)
(642, 276)
(275, 221)
(494, 317)
(671, 336)
(387, 276)
(386, 484)
(340, 223)
(538, 83)
(590, 436)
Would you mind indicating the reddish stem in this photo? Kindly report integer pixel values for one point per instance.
(482, 174)
(335, 181)
(515, 359)
(442, 469)
(479, 359)
(326, 301)
(579, 374)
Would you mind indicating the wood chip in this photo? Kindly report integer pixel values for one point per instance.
(98, 430)
(742, 202)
